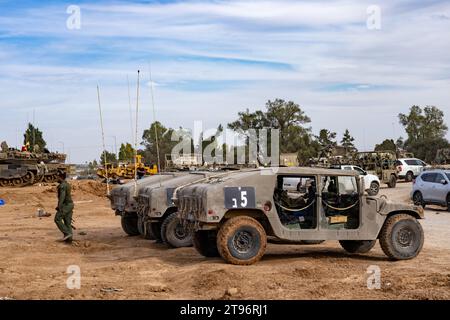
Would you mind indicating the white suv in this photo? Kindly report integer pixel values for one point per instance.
(371, 181)
(409, 168)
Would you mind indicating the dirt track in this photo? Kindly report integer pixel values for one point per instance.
(33, 264)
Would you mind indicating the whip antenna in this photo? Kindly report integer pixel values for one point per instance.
(135, 136)
(129, 108)
(154, 120)
(103, 141)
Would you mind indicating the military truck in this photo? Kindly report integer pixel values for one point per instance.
(125, 205)
(22, 168)
(234, 216)
(160, 215)
(379, 163)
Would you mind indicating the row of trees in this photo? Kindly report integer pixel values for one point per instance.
(425, 128)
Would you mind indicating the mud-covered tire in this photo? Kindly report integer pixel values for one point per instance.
(418, 199)
(409, 176)
(448, 202)
(401, 237)
(392, 181)
(312, 241)
(357, 246)
(373, 189)
(155, 230)
(174, 234)
(241, 241)
(130, 224)
(205, 242)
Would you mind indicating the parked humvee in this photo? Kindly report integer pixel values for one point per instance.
(160, 215)
(235, 215)
(124, 204)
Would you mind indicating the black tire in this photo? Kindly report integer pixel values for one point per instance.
(392, 181)
(205, 242)
(130, 224)
(312, 241)
(374, 188)
(241, 241)
(357, 246)
(401, 237)
(448, 202)
(418, 199)
(155, 230)
(409, 176)
(174, 234)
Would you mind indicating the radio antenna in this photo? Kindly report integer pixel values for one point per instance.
(129, 108)
(103, 141)
(135, 136)
(154, 120)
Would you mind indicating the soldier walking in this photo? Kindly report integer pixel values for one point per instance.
(64, 210)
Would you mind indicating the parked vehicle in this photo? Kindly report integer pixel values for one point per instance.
(432, 187)
(409, 168)
(235, 216)
(371, 181)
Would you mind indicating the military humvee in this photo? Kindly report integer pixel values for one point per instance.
(235, 215)
(160, 215)
(124, 204)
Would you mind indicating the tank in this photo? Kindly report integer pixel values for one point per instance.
(22, 168)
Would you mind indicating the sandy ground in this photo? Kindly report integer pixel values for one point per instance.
(33, 265)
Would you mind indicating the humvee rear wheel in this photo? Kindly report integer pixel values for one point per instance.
(392, 181)
(130, 224)
(174, 234)
(205, 242)
(241, 240)
(401, 237)
(155, 229)
(357, 246)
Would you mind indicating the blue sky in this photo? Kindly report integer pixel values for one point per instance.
(211, 59)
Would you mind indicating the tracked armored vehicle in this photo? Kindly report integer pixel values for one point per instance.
(234, 216)
(21, 168)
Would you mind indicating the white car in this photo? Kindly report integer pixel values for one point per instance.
(371, 181)
(409, 168)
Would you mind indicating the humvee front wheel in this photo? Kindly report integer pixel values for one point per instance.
(130, 224)
(205, 242)
(401, 237)
(241, 241)
(357, 246)
(174, 234)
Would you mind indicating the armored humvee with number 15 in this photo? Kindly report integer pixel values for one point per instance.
(235, 215)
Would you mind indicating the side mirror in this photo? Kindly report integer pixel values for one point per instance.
(444, 182)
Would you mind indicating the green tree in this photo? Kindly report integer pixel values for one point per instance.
(387, 144)
(110, 157)
(426, 131)
(126, 152)
(327, 142)
(165, 143)
(286, 116)
(348, 142)
(33, 136)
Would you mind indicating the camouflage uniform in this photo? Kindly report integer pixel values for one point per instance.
(64, 211)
